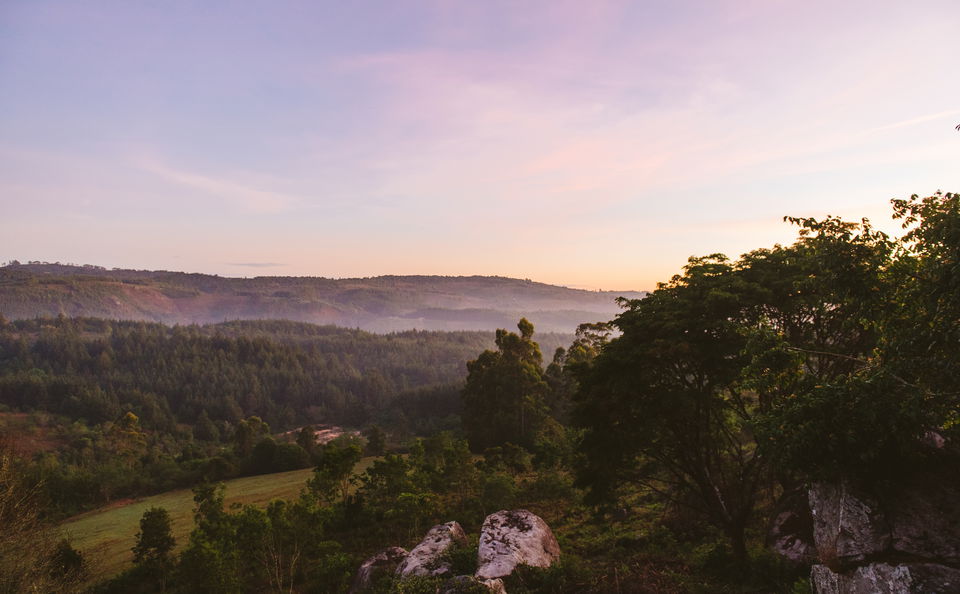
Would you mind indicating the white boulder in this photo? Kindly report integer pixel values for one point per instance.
(426, 559)
(512, 538)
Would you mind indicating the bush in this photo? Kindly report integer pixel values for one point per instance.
(498, 492)
(568, 575)
(550, 485)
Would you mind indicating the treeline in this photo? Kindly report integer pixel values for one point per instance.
(285, 373)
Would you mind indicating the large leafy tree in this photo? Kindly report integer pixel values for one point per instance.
(662, 406)
(503, 399)
(821, 296)
(924, 327)
(674, 402)
(154, 543)
(868, 423)
(560, 376)
(333, 474)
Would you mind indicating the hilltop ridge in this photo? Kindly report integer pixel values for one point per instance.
(378, 304)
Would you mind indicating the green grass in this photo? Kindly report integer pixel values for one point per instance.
(106, 535)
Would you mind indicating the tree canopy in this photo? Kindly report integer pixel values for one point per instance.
(504, 395)
(829, 356)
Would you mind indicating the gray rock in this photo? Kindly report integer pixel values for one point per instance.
(848, 525)
(512, 538)
(383, 562)
(925, 519)
(824, 581)
(882, 578)
(791, 531)
(495, 585)
(901, 538)
(426, 559)
(933, 440)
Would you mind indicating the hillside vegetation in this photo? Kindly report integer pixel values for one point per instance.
(660, 446)
(106, 536)
(132, 408)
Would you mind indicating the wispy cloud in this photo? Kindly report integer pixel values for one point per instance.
(250, 198)
(595, 139)
(918, 120)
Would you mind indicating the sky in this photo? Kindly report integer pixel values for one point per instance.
(590, 144)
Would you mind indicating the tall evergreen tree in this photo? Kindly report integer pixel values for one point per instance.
(504, 396)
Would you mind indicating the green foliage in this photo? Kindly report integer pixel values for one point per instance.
(662, 403)
(509, 457)
(32, 559)
(155, 539)
(463, 560)
(191, 387)
(868, 426)
(385, 480)
(376, 440)
(550, 485)
(330, 570)
(248, 433)
(923, 325)
(497, 491)
(555, 447)
(559, 375)
(206, 429)
(69, 563)
(867, 422)
(444, 464)
(285, 374)
(777, 343)
(110, 531)
(334, 469)
(504, 396)
(258, 549)
(416, 585)
(565, 576)
(155, 542)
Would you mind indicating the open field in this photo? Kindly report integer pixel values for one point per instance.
(105, 536)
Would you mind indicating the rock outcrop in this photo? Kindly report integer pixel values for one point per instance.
(508, 539)
(512, 538)
(848, 525)
(384, 562)
(903, 538)
(791, 532)
(883, 578)
(427, 558)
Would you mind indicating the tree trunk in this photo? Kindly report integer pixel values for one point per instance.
(738, 545)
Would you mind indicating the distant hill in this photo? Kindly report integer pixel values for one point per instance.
(378, 304)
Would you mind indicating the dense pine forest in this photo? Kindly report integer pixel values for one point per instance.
(659, 445)
(142, 407)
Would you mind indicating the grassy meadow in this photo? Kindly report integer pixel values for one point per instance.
(106, 536)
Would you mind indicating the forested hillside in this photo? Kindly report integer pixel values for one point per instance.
(284, 372)
(103, 387)
(380, 304)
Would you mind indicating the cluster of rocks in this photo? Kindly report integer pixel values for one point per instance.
(900, 539)
(507, 539)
